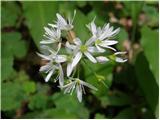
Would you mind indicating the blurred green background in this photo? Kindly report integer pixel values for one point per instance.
(132, 88)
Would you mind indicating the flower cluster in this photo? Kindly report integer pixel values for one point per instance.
(62, 49)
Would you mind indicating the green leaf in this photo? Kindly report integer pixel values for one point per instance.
(151, 15)
(127, 113)
(99, 116)
(150, 45)
(38, 102)
(12, 45)
(146, 81)
(12, 96)
(29, 87)
(70, 105)
(121, 37)
(115, 99)
(38, 15)
(7, 70)
(10, 12)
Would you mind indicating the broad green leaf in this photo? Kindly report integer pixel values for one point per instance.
(38, 102)
(127, 113)
(7, 70)
(10, 12)
(150, 45)
(115, 99)
(81, 3)
(99, 116)
(151, 15)
(38, 15)
(29, 87)
(121, 37)
(70, 105)
(146, 81)
(52, 113)
(12, 96)
(12, 45)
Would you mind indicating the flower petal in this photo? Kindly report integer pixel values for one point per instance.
(69, 69)
(120, 53)
(90, 41)
(44, 56)
(49, 75)
(90, 57)
(61, 19)
(70, 46)
(61, 76)
(77, 41)
(106, 46)
(61, 58)
(76, 59)
(109, 42)
(101, 50)
(102, 59)
(93, 49)
(88, 85)
(120, 60)
(79, 93)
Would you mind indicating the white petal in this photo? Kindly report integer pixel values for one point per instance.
(77, 41)
(61, 76)
(90, 41)
(68, 45)
(69, 69)
(45, 67)
(120, 53)
(93, 49)
(49, 75)
(93, 28)
(115, 31)
(101, 50)
(106, 46)
(61, 19)
(44, 56)
(76, 59)
(88, 85)
(102, 59)
(120, 60)
(47, 41)
(90, 57)
(109, 42)
(61, 58)
(79, 93)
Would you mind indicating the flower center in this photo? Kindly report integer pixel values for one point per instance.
(98, 42)
(78, 81)
(83, 48)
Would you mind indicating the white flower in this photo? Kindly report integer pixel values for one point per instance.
(102, 36)
(63, 24)
(119, 59)
(52, 35)
(76, 83)
(79, 49)
(53, 65)
(102, 59)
